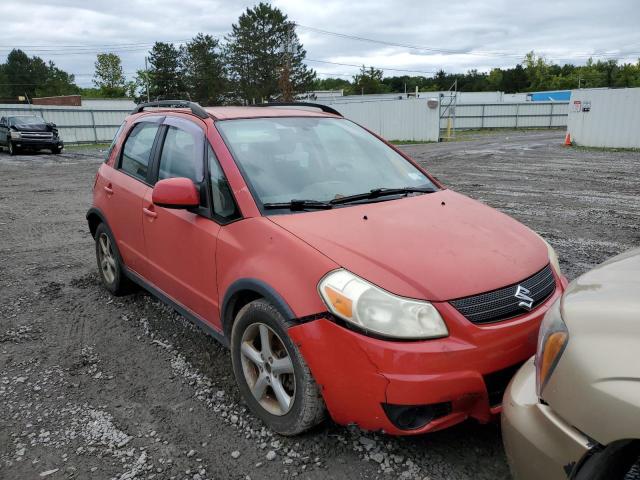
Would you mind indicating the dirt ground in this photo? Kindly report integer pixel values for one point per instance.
(94, 387)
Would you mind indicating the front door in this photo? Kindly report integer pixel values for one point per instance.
(181, 244)
(125, 187)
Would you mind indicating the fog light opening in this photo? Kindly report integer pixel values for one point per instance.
(412, 417)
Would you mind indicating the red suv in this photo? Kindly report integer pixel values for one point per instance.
(342, 275)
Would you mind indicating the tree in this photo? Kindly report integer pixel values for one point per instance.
(255, 54)
(22, 75)
(108, 76)
(369, 81)
(203, 70)
(165, 75)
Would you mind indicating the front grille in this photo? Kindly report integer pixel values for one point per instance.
(497, 383)
(37, 135)
(502, 304)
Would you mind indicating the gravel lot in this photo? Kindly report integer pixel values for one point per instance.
(94, 387)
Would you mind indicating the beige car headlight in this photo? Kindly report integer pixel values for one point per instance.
(15, 135)
(375, 310)
(552, 341)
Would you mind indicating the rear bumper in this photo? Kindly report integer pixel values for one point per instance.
(539, 444)
(359, 374)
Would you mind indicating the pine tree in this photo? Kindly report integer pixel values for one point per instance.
(203, 70)
(165, 75)
(258, 48)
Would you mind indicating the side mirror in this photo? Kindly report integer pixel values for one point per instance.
(175, 193)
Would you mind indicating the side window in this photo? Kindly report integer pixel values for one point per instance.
(114, 141)
(181, 156)
(224, 206)
(137, 149)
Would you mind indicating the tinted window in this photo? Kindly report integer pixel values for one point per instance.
(223, 204)
(137, 149)
(181, 156)
(315, 158)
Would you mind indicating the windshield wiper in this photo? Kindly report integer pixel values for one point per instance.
(380, 192)
(298, 205)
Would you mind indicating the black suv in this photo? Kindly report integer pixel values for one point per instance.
(29, 131)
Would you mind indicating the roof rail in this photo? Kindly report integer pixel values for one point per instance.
(324, 108)
(195, 108)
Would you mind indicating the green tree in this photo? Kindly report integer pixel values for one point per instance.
(108, 76)
(165, 75)
(256, 51)
(204, 70)
(369, 80)
(31, 76)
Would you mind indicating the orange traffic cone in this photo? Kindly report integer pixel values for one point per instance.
(567, 140)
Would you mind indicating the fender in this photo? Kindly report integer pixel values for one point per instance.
(250, 285)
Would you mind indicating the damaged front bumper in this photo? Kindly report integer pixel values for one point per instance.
(409, 388)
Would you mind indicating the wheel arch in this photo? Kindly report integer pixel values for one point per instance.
(245, 290)
(94, 218)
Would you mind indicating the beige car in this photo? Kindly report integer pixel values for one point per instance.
(574, 411)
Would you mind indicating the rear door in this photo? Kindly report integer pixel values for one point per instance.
(125, 187)
(181, 244)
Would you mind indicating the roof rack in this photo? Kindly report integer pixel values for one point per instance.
(324, 108)
(195, 108)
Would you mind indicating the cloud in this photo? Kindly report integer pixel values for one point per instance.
(456, 35)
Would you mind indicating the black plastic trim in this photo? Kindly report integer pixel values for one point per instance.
(324, 108)
(256, 286)
(195, 108)
(192, 317)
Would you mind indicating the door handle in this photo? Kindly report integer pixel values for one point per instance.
(149, 213)
(108, 189)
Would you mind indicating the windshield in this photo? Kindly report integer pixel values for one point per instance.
(319, 159)
(27, 120)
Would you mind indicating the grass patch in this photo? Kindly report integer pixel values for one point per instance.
(409, 142)
(86, 146)
(606, 149)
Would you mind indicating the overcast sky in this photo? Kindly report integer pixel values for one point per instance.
(454, 35)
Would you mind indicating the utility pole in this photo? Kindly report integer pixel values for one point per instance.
(285, 72)
(146, 78)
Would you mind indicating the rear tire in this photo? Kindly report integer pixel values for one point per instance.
(110, 263)
(286, 396)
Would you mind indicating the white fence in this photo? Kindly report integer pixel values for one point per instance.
(395, 120)
(76, 125)
(605, 118)
(410, 119)
(508, 115)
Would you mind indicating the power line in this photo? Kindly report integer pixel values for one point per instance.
(361, 65)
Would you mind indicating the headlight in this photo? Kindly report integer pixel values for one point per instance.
(552, 341)
(553, 257)
(15, 135)
(376, 310)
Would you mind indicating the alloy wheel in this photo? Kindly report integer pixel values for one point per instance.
(268, 369)
(107, 258)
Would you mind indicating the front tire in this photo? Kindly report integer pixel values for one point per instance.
(272, 376)
(110, 264)
(13, 150)
(56, 150)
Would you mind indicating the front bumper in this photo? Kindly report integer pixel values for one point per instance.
(35, 143)
(358, 374)
(539, 444)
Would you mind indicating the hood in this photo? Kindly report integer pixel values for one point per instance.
(606, 296)
(437, 247)
(33, 127)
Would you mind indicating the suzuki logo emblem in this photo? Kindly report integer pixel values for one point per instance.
(523, 294)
